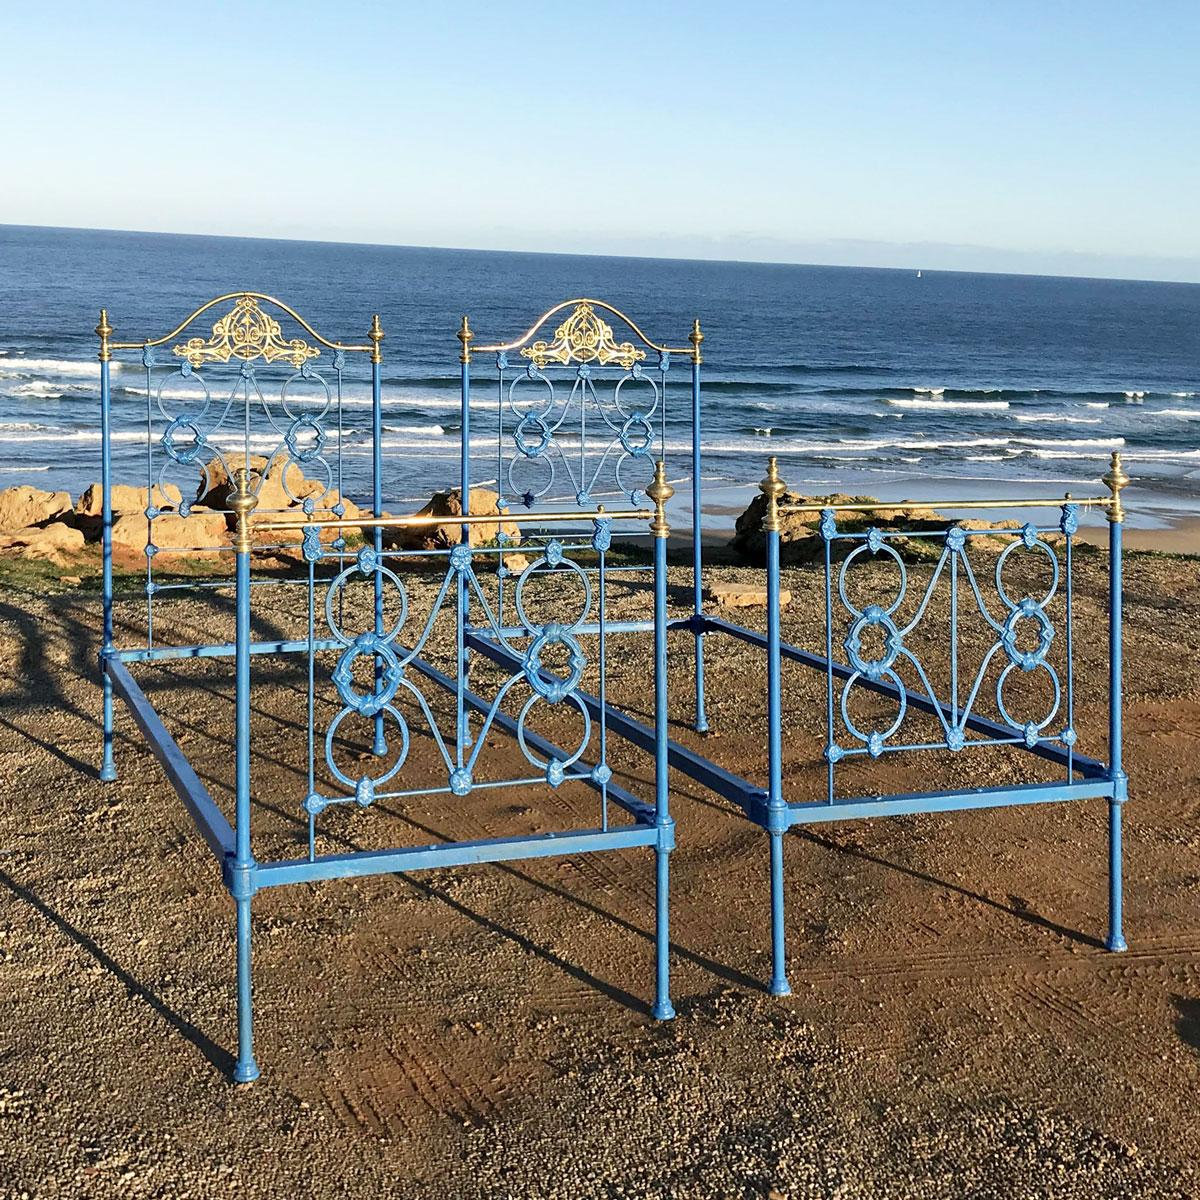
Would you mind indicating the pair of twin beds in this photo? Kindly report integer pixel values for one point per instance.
(276, 422)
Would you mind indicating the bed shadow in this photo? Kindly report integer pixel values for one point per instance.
(216, 1055)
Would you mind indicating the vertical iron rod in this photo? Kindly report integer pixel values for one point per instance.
(697, 553)
(108, 767)
(660, 491)
(1116, 479)
(241, 876)
(773, 488)
(380, 742)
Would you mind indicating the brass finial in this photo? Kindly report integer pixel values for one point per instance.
(104, 331)
(696, 337)
(376, 335)
(660, 491)
(772, 487)
(1115, 480)
(242, 504)
(465, 335)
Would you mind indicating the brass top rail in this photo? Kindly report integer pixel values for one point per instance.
(419, 520)
(910, 505)
(527, 336)
(287, 308)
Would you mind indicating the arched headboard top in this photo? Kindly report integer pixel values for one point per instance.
(246, 332)
(584, 336)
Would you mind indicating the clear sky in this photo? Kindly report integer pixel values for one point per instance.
(1056, 136)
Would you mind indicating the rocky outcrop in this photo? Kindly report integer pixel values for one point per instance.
(283, 503)
(800, 540)
(448, 504)
(126, 499)
(727, 594)
(55, 542)
(201, 529)
(23, 507)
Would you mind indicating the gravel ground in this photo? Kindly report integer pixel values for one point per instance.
(956, 1028)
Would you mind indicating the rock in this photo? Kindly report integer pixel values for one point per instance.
(73, 580)
(215, 488)
(284, 504)
(449, 504)
(517, 564)
(201, 528)
(23, 506)
(126, 499)
(800, 539)
(54, 541)
(743, 595)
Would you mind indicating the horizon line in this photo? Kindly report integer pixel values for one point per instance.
(753, 262)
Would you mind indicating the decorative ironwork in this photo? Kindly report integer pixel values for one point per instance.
(526, 644)
(896, 651)
(583, 338)
(247, 333)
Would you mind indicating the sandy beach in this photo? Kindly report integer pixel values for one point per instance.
(956, 1027)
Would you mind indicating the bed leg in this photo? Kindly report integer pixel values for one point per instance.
(246, 1070)
(664, 1010)
(108, 768)
(779, 985)
(701, 724)
(1116, 936)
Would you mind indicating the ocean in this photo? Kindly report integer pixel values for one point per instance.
(860, 380)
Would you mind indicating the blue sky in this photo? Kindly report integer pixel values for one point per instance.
(1057, 136)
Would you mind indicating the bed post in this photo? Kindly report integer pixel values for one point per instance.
(696, 337)
(772, 487)
(660, 491)
(463, 727)
(376, 335)
(1116, 479)
(241, 873)
(108, 768)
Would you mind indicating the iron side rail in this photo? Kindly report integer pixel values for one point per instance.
(814, 811)
(725, 783)
(209, 819)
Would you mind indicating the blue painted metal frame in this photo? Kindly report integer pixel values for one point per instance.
(495, 634)
(650, 824)
(1085, 778)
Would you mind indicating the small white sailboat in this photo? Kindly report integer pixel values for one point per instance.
(918, 274)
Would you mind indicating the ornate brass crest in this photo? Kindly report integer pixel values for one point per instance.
(583, 337)
(246, 332)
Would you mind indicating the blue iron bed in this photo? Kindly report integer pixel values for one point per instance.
(582, 344)
(206, 402)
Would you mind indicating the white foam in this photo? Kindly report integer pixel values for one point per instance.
(764, 430)
(1055, 419)
(952, 405)
(1095, 404)
(930, 391)
(1135, 397)
(1180, 414)
(1185, 395)
(52, 366)
(1079, 443)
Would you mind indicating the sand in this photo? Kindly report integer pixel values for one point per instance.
(956, 1027)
